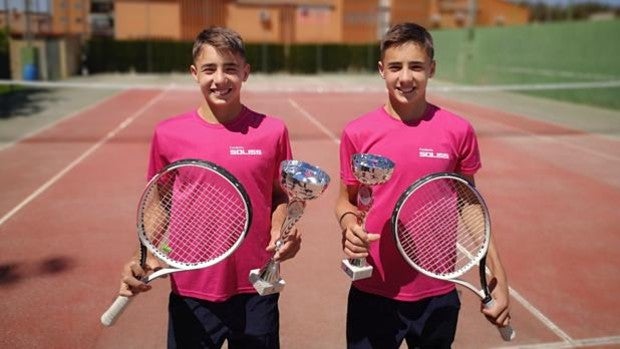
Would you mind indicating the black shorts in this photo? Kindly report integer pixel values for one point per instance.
(378, 322)
(245, 321)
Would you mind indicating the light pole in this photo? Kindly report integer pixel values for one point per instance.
(471, 21)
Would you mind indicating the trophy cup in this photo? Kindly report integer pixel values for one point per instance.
(369, 170)
(301, 182)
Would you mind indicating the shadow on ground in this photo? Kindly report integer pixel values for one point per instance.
(23, 101)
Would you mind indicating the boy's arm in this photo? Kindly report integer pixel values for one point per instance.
(498, 314)
(354, 239)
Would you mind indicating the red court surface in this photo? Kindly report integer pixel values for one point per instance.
(68, 204)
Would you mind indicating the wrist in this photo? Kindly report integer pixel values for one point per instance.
(343, 217)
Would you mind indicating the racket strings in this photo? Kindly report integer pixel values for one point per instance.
(195, 219)
(442, 227)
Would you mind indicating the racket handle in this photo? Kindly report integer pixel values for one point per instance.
(506, 332)
(115, 310)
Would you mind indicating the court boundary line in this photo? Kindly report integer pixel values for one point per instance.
(516, 295)
(315, 122)
(463, 106)
(324, 89)
(80, 158)
(577, 343)
(551, 72)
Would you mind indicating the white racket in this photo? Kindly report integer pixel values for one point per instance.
(192, 215)
(442, 228)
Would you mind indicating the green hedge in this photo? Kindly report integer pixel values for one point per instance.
(106, 55)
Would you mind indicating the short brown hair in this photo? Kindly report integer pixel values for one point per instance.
(403, 33)
(222, 39)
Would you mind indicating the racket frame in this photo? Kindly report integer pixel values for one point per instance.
(478, 259)
(110, 316)
(142, 234)
(506, 332)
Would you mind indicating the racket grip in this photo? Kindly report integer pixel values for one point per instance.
(506, 332)
(115, 310)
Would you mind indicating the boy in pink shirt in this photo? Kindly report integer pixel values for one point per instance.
(396, 303)
(218, 303)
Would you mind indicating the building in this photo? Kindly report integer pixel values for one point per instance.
(46, 36)
(45, 18)
(102, 18)
(304, 21)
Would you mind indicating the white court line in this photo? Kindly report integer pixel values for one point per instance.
(83, 156)
(316, 122)
(556, 140)
(551, 72)
(577, 343)
(50, 125)
(318, 88)
(517, 296)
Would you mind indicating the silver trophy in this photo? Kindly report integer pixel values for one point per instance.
(301, 182)
(369, 170)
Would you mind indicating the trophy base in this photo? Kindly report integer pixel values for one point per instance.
(355, 272)
(263, 287)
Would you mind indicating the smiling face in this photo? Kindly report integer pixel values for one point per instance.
(406, 70)
(220, 74)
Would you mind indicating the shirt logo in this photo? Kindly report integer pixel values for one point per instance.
(241, 151)
(430, 153)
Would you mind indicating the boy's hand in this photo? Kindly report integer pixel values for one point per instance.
(133, 274)
(355, 241)
(288, 248)
(499, 313)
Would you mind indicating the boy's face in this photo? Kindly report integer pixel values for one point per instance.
(220, 75)
(406, 70)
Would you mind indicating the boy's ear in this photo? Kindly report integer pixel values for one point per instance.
(380, 68)
(194, 71)
(246, 71)
(433, 65)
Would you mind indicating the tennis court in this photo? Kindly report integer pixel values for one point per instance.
(72, 174)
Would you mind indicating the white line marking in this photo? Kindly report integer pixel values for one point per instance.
(319, 88)
(577, 343)
(527, 87)
(316, 122)
(552, 73)
(517, 296)
(83, 156)
(540, 316)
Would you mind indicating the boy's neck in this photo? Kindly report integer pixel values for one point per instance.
(407, 111)
(222, 115)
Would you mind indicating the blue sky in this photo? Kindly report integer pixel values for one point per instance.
(35, 5)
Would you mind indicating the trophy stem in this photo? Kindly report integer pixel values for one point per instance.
(370, 170)
(301, 182)
(358, 262)
(270, 272)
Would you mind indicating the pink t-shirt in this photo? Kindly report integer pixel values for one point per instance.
(251, 148)
(439, 142)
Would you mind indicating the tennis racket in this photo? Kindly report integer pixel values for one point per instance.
(192, 215)
(442, 228)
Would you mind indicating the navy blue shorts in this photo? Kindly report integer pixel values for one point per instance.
(245, 321)
(378, 322)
